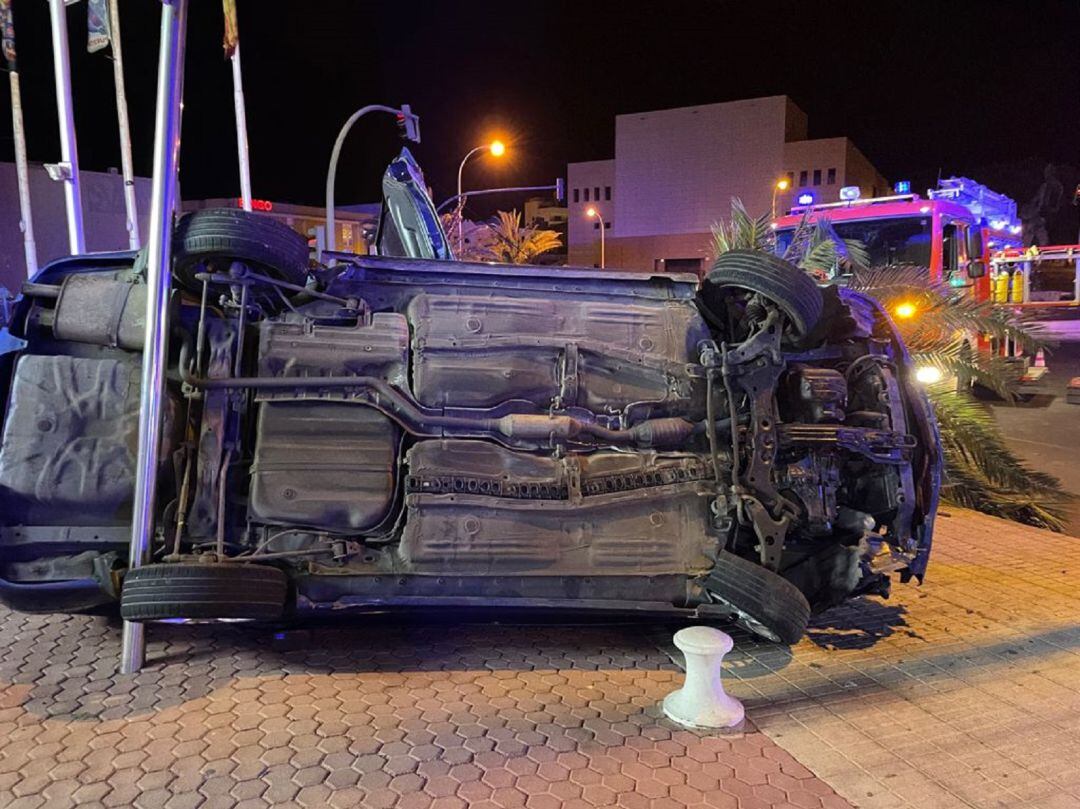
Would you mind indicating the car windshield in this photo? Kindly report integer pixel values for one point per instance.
(905, 240)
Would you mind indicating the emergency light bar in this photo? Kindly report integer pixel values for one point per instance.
(850, 203)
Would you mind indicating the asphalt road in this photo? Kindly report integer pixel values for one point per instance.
(1046, 430)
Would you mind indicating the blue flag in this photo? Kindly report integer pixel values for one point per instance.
(7, 32)
(97, 25)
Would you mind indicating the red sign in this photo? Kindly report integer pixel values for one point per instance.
(256, 204)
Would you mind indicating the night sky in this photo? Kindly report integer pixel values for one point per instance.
(978, 87)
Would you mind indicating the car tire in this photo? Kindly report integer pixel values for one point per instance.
(761, 601)
(203, 592)
(792, 290)
(272, 247)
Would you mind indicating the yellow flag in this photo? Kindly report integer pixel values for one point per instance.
(232, 28)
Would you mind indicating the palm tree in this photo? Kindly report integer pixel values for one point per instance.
(503, 240)
(981, 471)
(510, 243)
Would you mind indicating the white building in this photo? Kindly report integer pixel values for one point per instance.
(675, 172)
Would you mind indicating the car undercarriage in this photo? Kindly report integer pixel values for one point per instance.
(411, 432)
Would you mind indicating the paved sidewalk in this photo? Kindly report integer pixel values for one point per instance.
(964, 692)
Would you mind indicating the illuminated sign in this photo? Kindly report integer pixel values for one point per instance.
(902, 187)
(805, 199)
(257, 204)
(850, 192)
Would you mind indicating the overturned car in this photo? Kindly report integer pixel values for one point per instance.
(402, 431)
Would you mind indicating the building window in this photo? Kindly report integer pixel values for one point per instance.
(586, 194)
(577, 195)
(802, 178)
(817, 176)
(596, 193)
(596, 226)
(607, 226)
(607, 193)
(790, 179)
(831, 180)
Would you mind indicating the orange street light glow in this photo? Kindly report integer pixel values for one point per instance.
(905, 311)
(782, 185)
(590, 212)
(497, 148)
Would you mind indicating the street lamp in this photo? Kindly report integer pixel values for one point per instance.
(781, 185)
(410, 124)
(497, 149)
(592, 213)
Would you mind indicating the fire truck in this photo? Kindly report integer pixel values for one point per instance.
(952, 231)
(955, 231)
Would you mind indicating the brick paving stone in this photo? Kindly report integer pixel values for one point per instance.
(962, 692)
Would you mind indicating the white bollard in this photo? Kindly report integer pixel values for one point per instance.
(702, 703)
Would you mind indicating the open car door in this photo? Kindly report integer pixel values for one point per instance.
(409, 225)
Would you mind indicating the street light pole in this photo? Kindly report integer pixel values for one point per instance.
(592, 213)
(496, 148)
(412, 132)
(779, 185)
(170, 90)
(461, 199)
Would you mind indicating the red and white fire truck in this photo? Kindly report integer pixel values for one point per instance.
(958, 231)
(953, 231)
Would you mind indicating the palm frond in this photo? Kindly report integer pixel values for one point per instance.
(943, 310)
(984, 474)
(742, 231)
(817, 248)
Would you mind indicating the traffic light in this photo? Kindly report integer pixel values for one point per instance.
(409, 124)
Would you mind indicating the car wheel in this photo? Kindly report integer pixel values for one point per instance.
(226, 234)
(203, 591)
(760, 601)
(794, 292)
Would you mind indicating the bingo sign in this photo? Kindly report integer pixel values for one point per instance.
(257, 204)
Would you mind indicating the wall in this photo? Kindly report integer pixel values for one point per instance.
(677, 170)
(104, 218)
(808, 156)
(861, 172)
(581, 229)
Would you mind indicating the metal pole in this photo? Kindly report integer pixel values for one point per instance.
(331, 173)
(602, 257)
(26, 223)
(504, 190)
(69, 153)
(600, 219)
(158, 276)
(461, 198)
(125, 128)
(241, 130)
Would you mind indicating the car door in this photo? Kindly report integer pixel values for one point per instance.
(409, 225)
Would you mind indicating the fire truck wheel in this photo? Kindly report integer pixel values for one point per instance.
(219, 236)
(794, 292)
